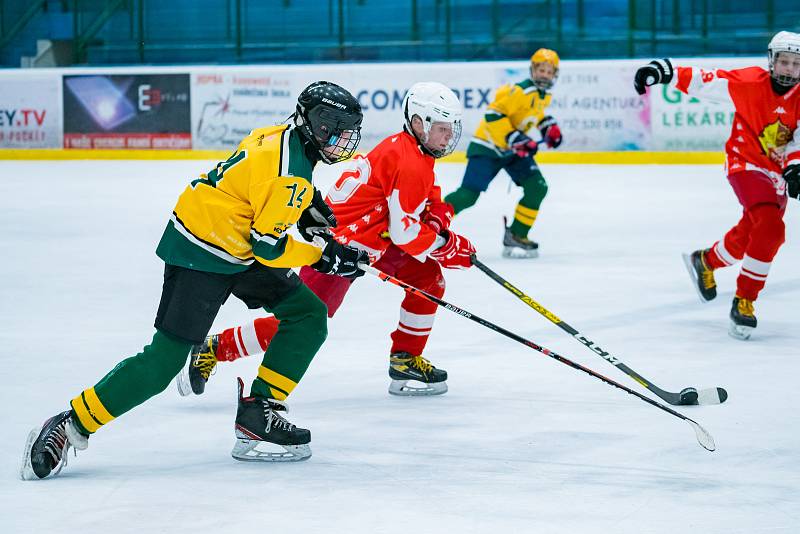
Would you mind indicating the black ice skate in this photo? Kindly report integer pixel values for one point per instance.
(743, 319)
(47, 447)
(515, 246)
(702, 275)
(263, 435)
(201, 365)
(405, 368)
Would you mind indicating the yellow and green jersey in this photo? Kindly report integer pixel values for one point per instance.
(240, 211)
(515, 107)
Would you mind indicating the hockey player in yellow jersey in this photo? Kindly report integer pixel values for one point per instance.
(228, 235)
(502, 141)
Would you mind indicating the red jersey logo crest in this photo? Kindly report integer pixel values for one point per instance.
(774, 138)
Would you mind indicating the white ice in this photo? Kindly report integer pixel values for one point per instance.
(520, 443)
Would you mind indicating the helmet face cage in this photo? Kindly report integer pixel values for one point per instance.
(544, 55)
(433, 103)
(330, 118)
(427, 123)
(782, 79)
(335, 133)
(544, 83)
(784, 43)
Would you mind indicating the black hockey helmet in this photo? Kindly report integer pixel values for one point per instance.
(329, 117)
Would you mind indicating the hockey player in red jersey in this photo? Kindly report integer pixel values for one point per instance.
(388, 205)
(762, 162)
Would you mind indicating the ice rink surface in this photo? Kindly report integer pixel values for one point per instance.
(520, 443)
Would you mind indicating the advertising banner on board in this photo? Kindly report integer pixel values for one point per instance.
(127, 111)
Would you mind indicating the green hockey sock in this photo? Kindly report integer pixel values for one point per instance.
(131, 382)
(534, 190)
(462, 198)
(302, 330)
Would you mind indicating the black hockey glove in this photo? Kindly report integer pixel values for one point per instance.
(551, 133)
(657, 71)
(339, 259)
(521, 145)
(316, 219)
(792, 176)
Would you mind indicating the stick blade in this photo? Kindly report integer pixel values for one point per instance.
(712, 396)
(688, 397)
(703, 437)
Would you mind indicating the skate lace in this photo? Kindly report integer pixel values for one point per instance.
(206, 362)
(707, 274)
(418, 362)
(746, 307)
(275, 419)
(55, 444)
(708, 278)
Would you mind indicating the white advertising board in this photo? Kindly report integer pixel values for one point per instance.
(30, 111)
(228, 103)
(593, 101)
(681, 123)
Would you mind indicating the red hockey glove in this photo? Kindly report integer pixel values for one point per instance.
(551, 133)
(792, 176)
(522, 145)
(438, 216)
(455, 253)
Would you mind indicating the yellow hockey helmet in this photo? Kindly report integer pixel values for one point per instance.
(544, 55)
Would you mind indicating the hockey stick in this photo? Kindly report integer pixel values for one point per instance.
(687, 396)
(703, 437)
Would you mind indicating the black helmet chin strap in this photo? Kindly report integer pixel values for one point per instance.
(311, 150)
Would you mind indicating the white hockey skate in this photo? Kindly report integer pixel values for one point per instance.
(415, 376)
(263, 435)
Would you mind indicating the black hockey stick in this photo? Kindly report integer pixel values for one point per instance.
(703, 437)
(687, 396)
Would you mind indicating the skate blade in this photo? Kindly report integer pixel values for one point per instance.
(519, 253)
(740, 332)
(26, 469)
(182, 381)
(687, 261)
(253, 450)
(413, 388)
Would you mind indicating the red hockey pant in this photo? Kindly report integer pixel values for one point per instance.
(757, 236)
(416, 314)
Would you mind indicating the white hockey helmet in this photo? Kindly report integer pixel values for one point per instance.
(783, 42)
(433, 103)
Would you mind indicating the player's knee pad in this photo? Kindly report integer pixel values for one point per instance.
(436, 285)
(534, 189)
(768, 227)
(161, 360)
(315, 322)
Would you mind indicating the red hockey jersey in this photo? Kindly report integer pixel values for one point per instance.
(380, 199)
(765, 129)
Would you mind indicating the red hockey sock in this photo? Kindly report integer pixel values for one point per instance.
(251, 338)
(712, 259)
(766, 237)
